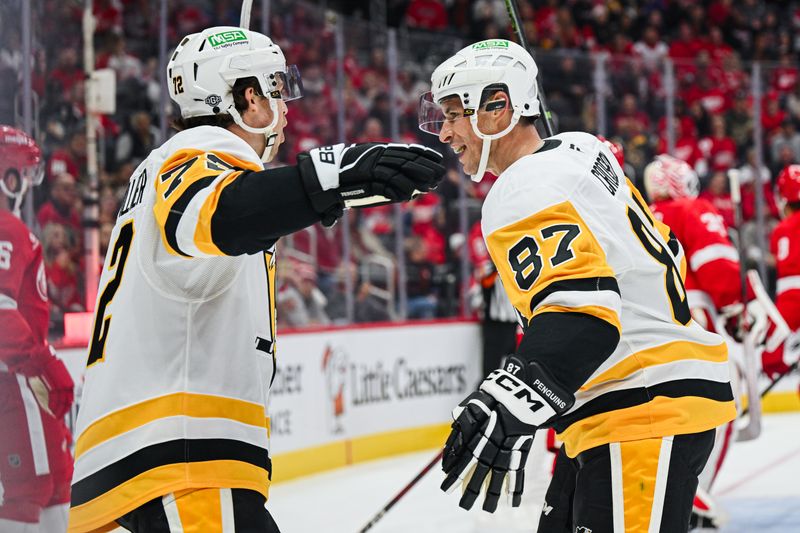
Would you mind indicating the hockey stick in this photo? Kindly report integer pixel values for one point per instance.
(753, 428)
(402, 492)
(244, 18)
(775, 382)
(516, 23)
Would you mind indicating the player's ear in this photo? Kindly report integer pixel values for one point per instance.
(250, 97)
(498, 104)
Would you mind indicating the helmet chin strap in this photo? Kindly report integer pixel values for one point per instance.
(487, 143)
(15, 197)
(269, 131)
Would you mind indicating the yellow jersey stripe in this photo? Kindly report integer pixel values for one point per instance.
(100, 512)
(660, 416)
(659, 355)
(597, 311)
(177, 404)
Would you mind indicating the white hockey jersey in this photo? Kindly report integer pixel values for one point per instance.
(569, 233)
(182, 352)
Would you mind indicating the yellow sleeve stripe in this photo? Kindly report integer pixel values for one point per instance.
(603, 313)
(203, 239)
(181, 178)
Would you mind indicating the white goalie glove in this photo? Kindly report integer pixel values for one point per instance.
(493, 431)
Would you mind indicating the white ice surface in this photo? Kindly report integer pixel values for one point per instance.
(759, 488)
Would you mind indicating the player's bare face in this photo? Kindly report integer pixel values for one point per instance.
(458, 133)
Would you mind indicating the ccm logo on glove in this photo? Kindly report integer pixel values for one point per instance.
(517, 388)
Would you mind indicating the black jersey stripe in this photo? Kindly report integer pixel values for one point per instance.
(602, 283)
(622, 399)
(177, 209)
(166, 453)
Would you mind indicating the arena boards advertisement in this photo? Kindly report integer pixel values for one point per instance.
(345, 395)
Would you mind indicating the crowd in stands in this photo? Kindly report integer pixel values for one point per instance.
(711, 44)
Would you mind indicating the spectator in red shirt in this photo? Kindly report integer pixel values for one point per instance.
(62, 272)
(427, 14)
(784, 77)
(631, 120)
(423, 223)
(67, 71)
(686, 147)
(717, 48)
(719, 149)
(719, 11)
(62, 208)
(71, 159)
(773, 116)
(717, 193)
(687, 44)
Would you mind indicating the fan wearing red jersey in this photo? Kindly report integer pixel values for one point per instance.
(785, 246)
(36, 390)
(712, 277)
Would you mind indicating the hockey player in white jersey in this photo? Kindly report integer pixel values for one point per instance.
(611, 357)
(173, 433)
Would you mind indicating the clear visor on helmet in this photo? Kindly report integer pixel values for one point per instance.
(432, 115)
(35, 174)
(285, 85)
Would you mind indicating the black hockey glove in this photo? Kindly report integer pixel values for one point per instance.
(493, 431)
(361, 175)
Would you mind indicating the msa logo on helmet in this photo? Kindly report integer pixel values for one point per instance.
(227, 38)
(490, 43)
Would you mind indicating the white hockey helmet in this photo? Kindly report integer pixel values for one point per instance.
(670, 177)
(468, 73)
(205, 66)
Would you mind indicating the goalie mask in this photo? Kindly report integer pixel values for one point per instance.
(466, 75)
(670, 177)
(21, 165)
(205, 66)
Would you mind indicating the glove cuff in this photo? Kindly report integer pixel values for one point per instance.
(328, 203)
(532, 395)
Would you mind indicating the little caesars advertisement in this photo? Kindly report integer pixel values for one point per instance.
(337, 385)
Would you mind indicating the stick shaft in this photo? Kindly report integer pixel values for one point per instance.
(516, 23)
(775, 382)
(244, 19)
(402, 492)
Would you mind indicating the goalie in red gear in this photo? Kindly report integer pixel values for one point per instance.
(785, 247)
(712, 277)
(36, 390)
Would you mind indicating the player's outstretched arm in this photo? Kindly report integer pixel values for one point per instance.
(207, 205)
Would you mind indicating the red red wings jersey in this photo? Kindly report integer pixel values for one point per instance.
(24, 310)
(785, 245)
(712, 261)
